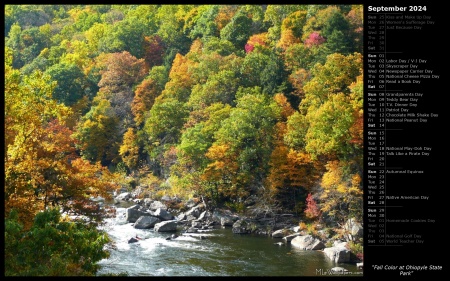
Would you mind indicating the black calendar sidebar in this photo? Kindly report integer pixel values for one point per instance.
(405, 108)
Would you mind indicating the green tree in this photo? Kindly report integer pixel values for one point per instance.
(125, 35)
(238, 30)
(97, 133)
(15, 42)
(162, 130)
(70, 82)
(245, 139)
(198, 138)
(205, 26)
(53, 246)
(171, 20)
(329, 129)
(334, 76)
(266, 70)
(331, 24)
(220, 87)
(274, 16)
(222, 47)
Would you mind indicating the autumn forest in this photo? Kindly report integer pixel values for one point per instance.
(218, 102)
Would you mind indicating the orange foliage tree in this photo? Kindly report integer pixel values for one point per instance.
(41, 166)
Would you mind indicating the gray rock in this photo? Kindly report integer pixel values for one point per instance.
(146, 222)
(341, 244)
(337, 254)
(190, 203)
(166, 226)
(226, 221)
(203, 215)
(224, 216)
(133, 213)
(295, 228)
(307, 242)
(191, 218)
(147, 202)
(196, 224)
(172, 237)
(163, 214)
(181, 217)
(132, 240)
(241, 227)
(193, 212)
(289, 238)
(354, 229)
(157, 204)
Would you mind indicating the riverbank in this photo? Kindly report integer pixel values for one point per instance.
(172, 215)
(220, 253)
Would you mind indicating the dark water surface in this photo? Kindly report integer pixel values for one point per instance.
(222, 253)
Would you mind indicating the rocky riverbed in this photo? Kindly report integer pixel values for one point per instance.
(194, 217)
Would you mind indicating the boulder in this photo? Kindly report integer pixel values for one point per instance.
(224, 217)
(134, 213)
(157, 204)
(166, 226)
(337, 254)
(307, 242)
(163, 214)
(132, 240)
(203, 215)
(181, 217)
(354, 229)
(289, 238)
(172, 237)
(226, 221)
(196, 224)
(146, 222)
(241, 227)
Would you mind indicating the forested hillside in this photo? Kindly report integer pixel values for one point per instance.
(220, 102)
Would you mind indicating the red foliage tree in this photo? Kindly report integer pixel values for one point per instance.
(312, 210)
(314, 39)
(153, 50)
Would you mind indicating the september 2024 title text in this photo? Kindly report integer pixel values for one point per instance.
(397, 9)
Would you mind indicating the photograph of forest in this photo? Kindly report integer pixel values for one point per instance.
(240, 120)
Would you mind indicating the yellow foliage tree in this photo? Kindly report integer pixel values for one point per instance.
(342, 197)
(41, 167)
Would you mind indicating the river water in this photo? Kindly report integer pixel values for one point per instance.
(221, 253)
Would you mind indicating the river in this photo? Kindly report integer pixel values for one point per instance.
(221, 253)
